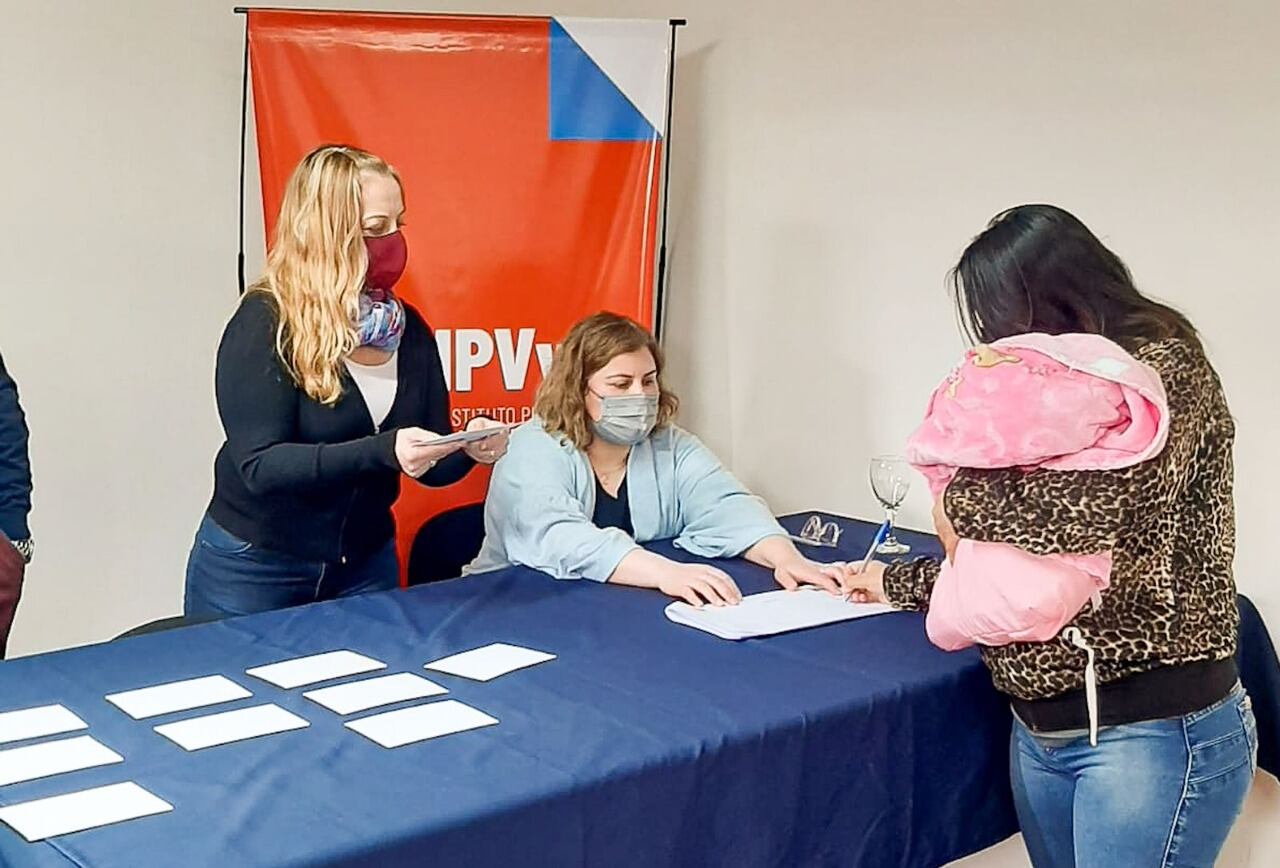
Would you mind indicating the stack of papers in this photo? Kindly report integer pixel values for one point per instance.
(489, 662)
(471, 436)
(773, 612)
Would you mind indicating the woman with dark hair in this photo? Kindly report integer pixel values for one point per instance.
(1177, 746)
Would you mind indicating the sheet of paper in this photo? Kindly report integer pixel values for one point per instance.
(373, 692)
(409, 725)
(318, 667)
(487, 663)
(18, 764)
(212, 730)
(87, 809)
(471, 436)
(177, 696)
(772, 612)
(38, 722)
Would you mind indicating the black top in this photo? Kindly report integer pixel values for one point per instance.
(1158, 694)
(613, 511)
(15, 467)
(309, 480)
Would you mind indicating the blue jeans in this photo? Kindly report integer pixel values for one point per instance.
(1156, 794)
(227, 576)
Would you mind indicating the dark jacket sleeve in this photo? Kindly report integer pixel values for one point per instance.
(258, 405)
(15, 465)
(909, 584)
(433, 414)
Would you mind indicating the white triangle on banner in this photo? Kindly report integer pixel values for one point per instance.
(632, 52)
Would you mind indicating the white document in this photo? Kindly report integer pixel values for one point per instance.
(38, 722)
(773, 612)
(471, 436)
(372, 692)
(87, 809)
(18, 764)
(177, 696)
(487, 663)
(409, 725)
(212, 730)
(318, 667)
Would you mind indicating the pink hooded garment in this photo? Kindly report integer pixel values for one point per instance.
(1035, 401)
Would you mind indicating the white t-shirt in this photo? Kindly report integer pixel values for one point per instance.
(377, 383)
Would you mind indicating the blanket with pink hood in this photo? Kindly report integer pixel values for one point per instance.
(1033, 402)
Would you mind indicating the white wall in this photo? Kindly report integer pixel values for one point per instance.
(831, 160)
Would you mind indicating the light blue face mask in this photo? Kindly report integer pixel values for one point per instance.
(625, 420)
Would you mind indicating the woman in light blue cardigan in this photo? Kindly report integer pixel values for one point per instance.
(601, 469)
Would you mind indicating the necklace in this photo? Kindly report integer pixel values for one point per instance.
(610, 475)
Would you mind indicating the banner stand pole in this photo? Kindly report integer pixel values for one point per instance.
(660, 293)
(244, 136)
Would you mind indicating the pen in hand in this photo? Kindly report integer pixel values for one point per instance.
(879, 538)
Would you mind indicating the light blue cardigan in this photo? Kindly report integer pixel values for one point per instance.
(543, 495)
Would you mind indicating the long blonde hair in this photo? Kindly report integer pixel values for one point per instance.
(316, 266)
(593, 342)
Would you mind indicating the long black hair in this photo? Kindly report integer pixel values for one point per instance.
(1037, 268)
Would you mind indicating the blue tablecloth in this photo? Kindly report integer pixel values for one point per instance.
(1260, 674)
(1255, 653)
(644, 744)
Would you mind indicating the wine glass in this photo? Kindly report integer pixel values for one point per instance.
(890, 482)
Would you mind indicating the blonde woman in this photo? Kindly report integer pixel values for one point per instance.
(329, 388)
(601, 468)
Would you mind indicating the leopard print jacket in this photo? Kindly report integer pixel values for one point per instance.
(1169, 522)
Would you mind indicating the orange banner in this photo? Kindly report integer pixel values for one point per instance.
(530, 151)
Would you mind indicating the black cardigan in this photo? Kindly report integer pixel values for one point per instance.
(308, 480)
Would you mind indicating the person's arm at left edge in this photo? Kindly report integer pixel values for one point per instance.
(15, 465)
(15, 503)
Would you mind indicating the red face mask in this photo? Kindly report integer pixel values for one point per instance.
(387, 257)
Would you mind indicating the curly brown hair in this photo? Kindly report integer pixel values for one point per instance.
(591, 344)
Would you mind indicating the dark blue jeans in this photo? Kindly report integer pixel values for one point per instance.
(227, 576)
(1156, 794)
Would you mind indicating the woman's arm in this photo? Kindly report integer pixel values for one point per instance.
(433, 415)
(693, 583)
(258, 405)
(792, 569)
(537, 519)
(723, 519)
(15, 466)
(906, 584)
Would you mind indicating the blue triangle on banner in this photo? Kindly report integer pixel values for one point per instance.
(583, 103)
